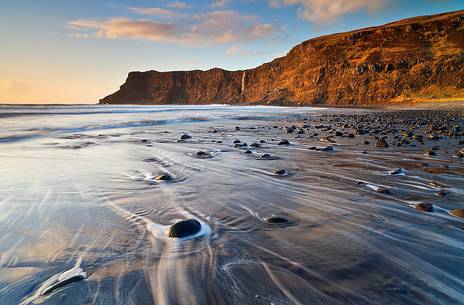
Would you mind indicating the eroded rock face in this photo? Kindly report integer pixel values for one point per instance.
(414, 58)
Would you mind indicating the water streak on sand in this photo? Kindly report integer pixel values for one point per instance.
(281, 224)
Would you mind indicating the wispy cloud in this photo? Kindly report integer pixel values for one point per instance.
(220, 3)
(224, 26)
(322, 11)
(155, 11)
(240, 51)
(178, 5)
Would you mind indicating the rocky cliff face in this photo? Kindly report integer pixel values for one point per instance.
(416, 57)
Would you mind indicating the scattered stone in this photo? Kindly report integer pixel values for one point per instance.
(457, 213)
(248, 152)
(185, 137)
(203, 155)
(236, 142)
(327, 149)
(255, 145)
(276, 219)
(284, 142)
(184, 228)
(280, 172)
(429, 153)
(381, 143)
(164, 177)
(424, 206)
(289, 129)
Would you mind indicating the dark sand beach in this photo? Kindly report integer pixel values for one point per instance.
(292, 205)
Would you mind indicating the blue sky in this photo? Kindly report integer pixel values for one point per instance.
(80, 51)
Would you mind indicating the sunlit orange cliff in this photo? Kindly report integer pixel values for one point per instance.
(420, 57)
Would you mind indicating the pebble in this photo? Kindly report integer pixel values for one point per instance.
(276, 219)
(163, 177)
(424, 206)
(185, 137)
(284, 142)
(457, 213)
(280, 172)
(184, 228)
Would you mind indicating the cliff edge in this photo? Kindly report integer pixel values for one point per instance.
(421, 57)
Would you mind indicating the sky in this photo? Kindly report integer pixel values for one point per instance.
(60, 51)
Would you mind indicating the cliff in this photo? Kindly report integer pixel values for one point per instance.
(411, 58)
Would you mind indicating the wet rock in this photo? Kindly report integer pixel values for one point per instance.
(457, 213)
(280, 172)
(164, 177)
(381, 143)
(437, 184)
(424, 206)
(248, 152)
(398, 171)
(289, 129)
(262, 141)
(236, 142)
(327, 149)
(266, 156)
(430, 153)
(255, 145)
(184, 228)
(284, 142)
(203, 155)
(185, 137)
(276, 219)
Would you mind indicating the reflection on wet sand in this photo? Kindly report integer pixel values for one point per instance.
(357, 224)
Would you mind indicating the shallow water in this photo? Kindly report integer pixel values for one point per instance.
(79, 198)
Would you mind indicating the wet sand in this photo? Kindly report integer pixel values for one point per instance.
(355, 207)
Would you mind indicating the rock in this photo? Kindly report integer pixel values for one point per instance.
(237, 128)
(236, 142)
(424, 206)
(429, 153)
(280, 172)
(276, 219)
(289, 129)
(185, 137)
(327, 149)
(248, 152)
(365, 142)
(164, 177)
(381, 143)
(301, 131)
(398, 171)
(338, 134)
(203, 155)
(266, 156)
(184, 228)
(457, 213)
(255, 145)
(382, 190)
(441, 193)
(284, 142)
(351, 136)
